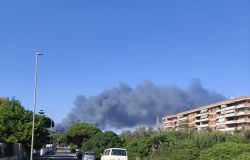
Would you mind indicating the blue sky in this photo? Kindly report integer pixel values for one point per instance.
(93, 45)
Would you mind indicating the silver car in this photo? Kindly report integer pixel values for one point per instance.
(89, 155)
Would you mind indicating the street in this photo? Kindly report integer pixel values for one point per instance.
(61, 154)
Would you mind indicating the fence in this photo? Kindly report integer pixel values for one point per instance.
(11, 151)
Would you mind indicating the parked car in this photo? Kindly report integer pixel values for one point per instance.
(114, 154)
(89, 155)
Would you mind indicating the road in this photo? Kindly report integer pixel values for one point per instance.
(61, 154)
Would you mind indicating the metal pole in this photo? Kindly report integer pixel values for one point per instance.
(34, 109)
(51, 130)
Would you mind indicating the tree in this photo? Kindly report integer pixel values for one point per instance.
(79, 133)
(59, 139)
(16, 124)
(101, 141)
(138, 147)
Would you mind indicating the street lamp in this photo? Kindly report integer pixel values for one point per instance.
(34, 109)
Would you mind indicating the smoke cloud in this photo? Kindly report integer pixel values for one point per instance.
(124, 106)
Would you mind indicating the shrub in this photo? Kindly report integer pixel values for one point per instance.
(158, 139)
(204, 140)
(183, 150)
(246, 135)
(137, 147)
(224, 151)
(243, 156)
(180, 134)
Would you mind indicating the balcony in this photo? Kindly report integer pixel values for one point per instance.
(242, 106)
(204, 110)
(220, 110)
(230, 115)
(204, 120)
(228, 129)
(230, 111)
(243, 121)
(219, 123)
(230, 108)
(220, 117)
(197, 120)
(182, 119)
(204, 116)
(241, 113)
(221, 120)
(231, 122)
(197, 115)
(202, 126)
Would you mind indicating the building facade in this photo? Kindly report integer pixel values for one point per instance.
(229, 115)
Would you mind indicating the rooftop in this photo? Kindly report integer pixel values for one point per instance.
(228, 101)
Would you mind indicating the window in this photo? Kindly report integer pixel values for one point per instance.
(106, 152)
(89, 153)
(118, 152)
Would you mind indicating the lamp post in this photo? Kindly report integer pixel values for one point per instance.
(34, 109)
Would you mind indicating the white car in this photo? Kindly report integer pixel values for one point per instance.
(114, 154)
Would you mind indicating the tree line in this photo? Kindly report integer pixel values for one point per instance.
(147, 144)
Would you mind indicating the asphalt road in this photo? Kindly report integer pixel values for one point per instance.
(61, 154)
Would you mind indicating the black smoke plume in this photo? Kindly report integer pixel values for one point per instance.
(124, 106)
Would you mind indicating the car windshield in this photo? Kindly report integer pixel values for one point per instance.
(118, 152)
(89, 153)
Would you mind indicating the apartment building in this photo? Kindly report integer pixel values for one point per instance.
(229, 115)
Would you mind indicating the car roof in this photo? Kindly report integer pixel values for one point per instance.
(115, 148)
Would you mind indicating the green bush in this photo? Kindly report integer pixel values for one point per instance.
(183, 150)
(158, 139)
(144, 146)
(204, 140)
(160, 153)
(138, 147)
(243, 156)
(166, 145)
(180, 134)
(246, 135)
(224, 151)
